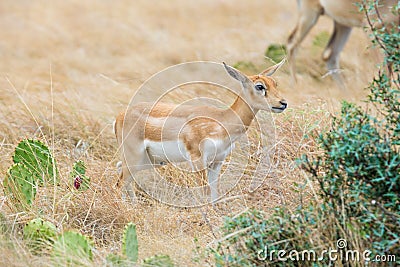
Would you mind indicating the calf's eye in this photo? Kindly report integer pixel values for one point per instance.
(260, 87)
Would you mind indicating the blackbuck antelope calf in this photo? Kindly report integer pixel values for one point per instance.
(345, 14)
(153, 134)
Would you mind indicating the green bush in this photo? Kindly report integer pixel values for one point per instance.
(359, 171)
(254, 239)
(359, 175)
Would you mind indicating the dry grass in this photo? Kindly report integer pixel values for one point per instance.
(68, 67)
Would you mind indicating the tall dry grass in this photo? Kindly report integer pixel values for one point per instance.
(68, 67)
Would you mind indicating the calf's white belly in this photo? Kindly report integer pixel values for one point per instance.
(167, 151)
(175, 151)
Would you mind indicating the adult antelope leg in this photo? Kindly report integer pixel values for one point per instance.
(307, 19)
(331, 53)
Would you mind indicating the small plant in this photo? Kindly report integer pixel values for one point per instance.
(158, 261)
(251, 238)
(130, 252)
(276, 52)
(245, 66)
(72, 248)
(35, 166)
(80, 180)
(3, 223)
(116, 260)
(40, 234)
(129, 248)
(37, 158)
(130, 242)
(321, 39)
(20, 185)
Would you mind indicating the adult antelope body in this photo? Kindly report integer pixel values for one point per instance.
(345, 14)
(153, 134)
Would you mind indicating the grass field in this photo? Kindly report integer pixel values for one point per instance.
(67, 68)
